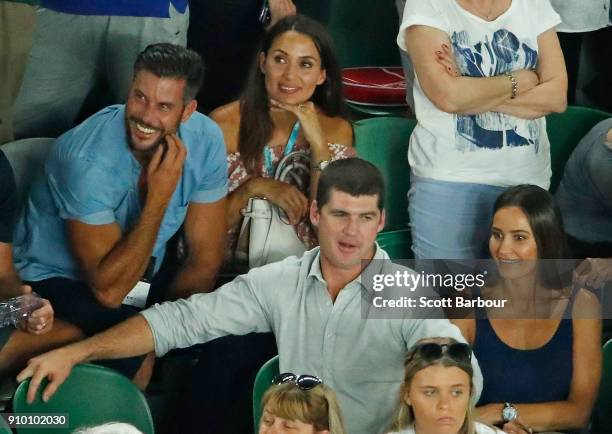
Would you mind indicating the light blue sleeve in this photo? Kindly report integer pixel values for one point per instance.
(213, 168)
(81, 190)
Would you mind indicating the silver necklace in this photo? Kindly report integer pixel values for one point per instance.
(490, 13)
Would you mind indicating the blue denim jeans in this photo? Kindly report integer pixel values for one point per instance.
(450, 220)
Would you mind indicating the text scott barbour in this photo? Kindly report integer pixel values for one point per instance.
(409, 302)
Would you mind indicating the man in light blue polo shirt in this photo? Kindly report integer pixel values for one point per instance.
(117, 188)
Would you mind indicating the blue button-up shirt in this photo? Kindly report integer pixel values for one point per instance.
(92, 176)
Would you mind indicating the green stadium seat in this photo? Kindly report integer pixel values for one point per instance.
(398, 244)
(4, 427)
(565, 131)
(27, 158)
(263, 380)
(92, 395)
(364, 32)
(384, 142)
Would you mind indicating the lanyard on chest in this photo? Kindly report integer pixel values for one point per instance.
(267, 152)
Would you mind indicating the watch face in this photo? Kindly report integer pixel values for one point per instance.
(509, 413)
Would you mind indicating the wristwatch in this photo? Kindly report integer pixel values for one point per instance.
(509, 412)
(321, 165)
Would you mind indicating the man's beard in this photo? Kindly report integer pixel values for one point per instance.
(128, 129)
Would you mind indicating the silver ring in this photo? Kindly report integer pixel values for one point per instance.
(301, 106)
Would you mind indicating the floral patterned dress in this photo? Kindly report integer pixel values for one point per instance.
(237, 175)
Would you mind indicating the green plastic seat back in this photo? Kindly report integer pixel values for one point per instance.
(603, 406)
(565, 130)
(384, 143)
(364, 32)
(27, 158)
(263, 380)
(398, 244)
(4, 427)
(92, 395)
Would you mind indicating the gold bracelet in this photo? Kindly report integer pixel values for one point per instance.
(513, 85)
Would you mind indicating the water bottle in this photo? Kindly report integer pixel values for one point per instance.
(17, 309)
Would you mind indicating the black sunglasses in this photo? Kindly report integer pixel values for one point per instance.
(303, 382)
(431, 351)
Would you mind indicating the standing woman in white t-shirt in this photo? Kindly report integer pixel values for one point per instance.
(487, 72)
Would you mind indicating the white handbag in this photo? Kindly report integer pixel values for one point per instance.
(266, 235)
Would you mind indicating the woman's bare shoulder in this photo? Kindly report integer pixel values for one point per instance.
(586, 305)
(337, 129)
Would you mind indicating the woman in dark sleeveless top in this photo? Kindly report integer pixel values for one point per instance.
(540, 370)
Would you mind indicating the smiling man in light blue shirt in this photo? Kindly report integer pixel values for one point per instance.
(118, 187)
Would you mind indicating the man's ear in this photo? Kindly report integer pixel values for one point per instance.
(262, 60)
(314, 214)
(189, 109)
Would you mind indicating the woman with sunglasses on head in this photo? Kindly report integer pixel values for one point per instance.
(292, 102)
(541, 354)
(301, 405)
(436, 395)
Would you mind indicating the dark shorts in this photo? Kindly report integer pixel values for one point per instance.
(75, 303)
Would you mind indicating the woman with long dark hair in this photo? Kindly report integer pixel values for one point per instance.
(541, 354)
(292, 101)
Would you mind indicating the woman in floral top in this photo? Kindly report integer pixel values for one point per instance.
(292, 101)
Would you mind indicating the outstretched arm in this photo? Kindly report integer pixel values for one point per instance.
(132, 337)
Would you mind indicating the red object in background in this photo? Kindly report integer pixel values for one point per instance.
(374, 85)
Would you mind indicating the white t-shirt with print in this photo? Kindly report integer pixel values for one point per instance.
(479, 428)
(488, 148)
